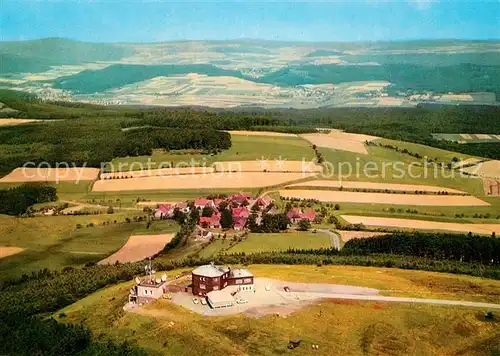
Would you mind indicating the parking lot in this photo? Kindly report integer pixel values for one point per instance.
(270, 297)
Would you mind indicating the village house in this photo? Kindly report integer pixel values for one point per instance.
(211, 222)
(264, 202)
(240, 199)
(201, 203)
(296, 214)
(164, 211)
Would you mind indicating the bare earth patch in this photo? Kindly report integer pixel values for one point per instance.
(138, 247)
(5, 122)
(485, 229)
(20, 175)
(375, 186)
(339, 140)
(383, 198)
(267, 166)
(349, 235)
(261, 133)
(200, 181)
(9, 251)
(490, 169)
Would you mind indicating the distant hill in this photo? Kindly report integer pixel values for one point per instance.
(324, 53)
(39, 55)
(117, 75)
(457, 78)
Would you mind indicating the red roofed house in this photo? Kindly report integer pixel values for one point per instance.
(264, 201)
(241, 212)
(212, 222)
(164, 211)
(201, 203)
(240, 198)
(295, 215)
(239, 222)
(309, 214)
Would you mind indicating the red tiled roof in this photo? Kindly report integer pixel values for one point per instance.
(240, 212)
(203, 202)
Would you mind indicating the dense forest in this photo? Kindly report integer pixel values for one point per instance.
(16, 201)
(91, 142)
(95, 134)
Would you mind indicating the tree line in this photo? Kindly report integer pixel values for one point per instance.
(16, 201)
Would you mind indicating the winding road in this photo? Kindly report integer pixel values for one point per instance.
(335, 238)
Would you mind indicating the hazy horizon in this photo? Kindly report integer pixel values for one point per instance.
(337, 21)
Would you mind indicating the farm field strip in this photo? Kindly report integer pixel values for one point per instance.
(347, 235)
(139, 247)
(268, 166)
(20, 175)
(383, 198)
(158, 172)
(468, 138)
(489, 169)
(375, 186)
(339, 140)
(486, 229)
(208, 181)
(260, 133)
(5, 122)
(9, 251)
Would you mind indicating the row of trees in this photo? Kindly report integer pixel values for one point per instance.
(464, 248)
(16, 201)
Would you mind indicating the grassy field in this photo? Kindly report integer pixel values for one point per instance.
(244, 148)
(383, 158)
(54, 242)
(425, 151)
(269, 242)
(339, 328)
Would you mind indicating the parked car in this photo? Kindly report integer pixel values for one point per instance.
(195, 300)
(203, 302)
(287, 289)
(268, 288)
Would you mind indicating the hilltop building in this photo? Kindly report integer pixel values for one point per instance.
(209, 278)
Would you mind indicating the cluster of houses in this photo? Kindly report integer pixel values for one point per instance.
(241, 206)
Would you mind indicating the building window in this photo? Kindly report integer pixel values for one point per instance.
(215, 279)
(239, 281)
(248, 280)
(216, 287)
(202, 286)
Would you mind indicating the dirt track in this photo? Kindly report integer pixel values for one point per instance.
(20, 175)
(138, 248)
(485, 229)
(200, 181)
(384, 198)
(375, 186)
